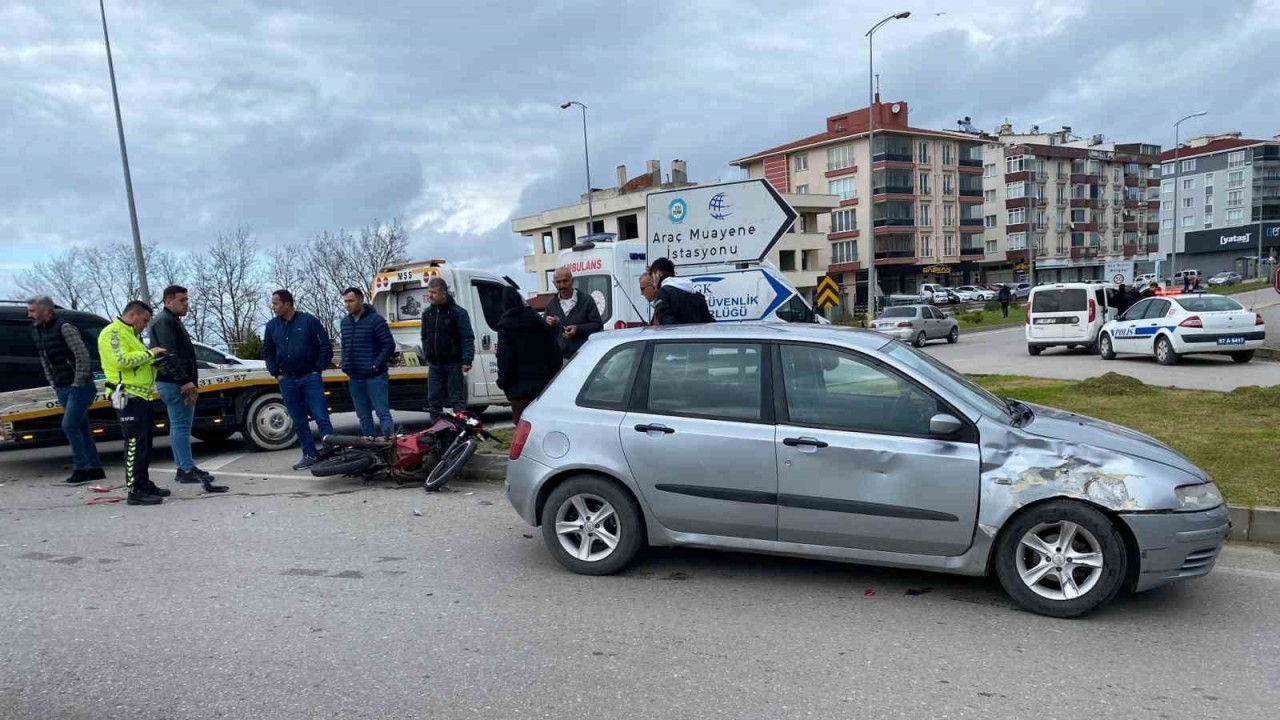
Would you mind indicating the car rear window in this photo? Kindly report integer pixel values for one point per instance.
(1208, 303)
(899, 312)
(1050, 301)
(610, 383)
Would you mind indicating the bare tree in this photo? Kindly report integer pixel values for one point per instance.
(380, 245)
(61, 278)
(231, 284)
(301, 270)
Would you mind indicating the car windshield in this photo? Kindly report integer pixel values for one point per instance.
(936, 372)
(1208, 303)
(1047, 301)
(899, 312)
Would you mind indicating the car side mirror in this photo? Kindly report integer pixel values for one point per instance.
(944, 425)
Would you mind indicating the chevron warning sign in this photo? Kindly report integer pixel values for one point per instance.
(828, 293)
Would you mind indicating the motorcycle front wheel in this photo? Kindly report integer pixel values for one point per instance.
(454, 458)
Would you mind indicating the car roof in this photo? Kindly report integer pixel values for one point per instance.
(853, 337)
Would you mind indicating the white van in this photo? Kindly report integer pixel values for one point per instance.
(609, 272)
(400, 296)
(1189, 273)
(1070, 314)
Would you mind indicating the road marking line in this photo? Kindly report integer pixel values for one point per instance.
(222, 461)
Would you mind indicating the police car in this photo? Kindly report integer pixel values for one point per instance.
(1172, 326)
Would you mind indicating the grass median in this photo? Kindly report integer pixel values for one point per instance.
(1233, 436)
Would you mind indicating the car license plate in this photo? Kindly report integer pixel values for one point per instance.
(1235, 340)
(1054, 321)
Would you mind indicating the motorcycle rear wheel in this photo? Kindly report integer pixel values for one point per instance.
(343, 464)
(454, 458)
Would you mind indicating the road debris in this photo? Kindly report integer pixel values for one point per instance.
(417, 512)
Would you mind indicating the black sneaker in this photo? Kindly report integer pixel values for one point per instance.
(140, 498)
(97, 473)
(204, 476)
(188, 477)
(304, 463)
(78, 477)
(153, 489)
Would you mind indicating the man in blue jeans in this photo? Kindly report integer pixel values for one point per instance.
(297, 350)
(68, 368)
(367, 347)
(176, 382)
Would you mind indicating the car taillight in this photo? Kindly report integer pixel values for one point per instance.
(1191, 322)
(1093, 309)
(904, 324)
(519, 439)
(1258, 319)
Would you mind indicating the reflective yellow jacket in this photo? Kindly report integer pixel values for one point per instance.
(126, 360)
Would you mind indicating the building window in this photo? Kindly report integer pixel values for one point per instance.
(1188, 220)
(1208, 183)
(802, 189)
(566, 235)
(1017, 216)
(1166, 224)
(800, 162)
(1015, 191)
(844, 221)
(948, 214)
(948, 153)
(548, 280)
(926, 215)
(989, 171)
(924, 152)
(924, 184)
(1235, 159)
(948, 182)
(1235, 198)
(839, 158)
(1189, 184)
(1017, 163)
(1115, 174)
(1017, 241)
(992, 247)
(845, 251)
(926, 246)
(1235, 216)
(1189, 165)
(787, 261)
(548, 243)
(1079, 215)
(1166, 170)
(1188, 202)
(843, 188)
(1166, 186)
(948, 245)
(1235, 179)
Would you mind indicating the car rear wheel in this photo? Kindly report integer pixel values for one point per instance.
(592, 526)
(267, 425)
(920, 340)
(1165, 353)
(1243, 356)
(1105, 349)
(1062, 559)
(1035, 349)
(953, 337)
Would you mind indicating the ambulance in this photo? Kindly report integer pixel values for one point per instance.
(608, 271)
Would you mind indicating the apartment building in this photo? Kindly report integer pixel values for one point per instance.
(1076, 203)
(926, 206)
(1227, 196)
(802, 255)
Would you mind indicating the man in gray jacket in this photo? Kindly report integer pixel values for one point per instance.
(573, 314)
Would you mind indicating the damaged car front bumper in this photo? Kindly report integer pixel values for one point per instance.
(1176, 545)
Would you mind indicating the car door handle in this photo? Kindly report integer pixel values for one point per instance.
(485, 342)
(655, 428)
(804, 441)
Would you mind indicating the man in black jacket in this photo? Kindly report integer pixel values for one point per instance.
(528, 353)
(1004, 295)
(69, 370)
(677, 302)
(176, 382)
(448, 346)
(573, 313)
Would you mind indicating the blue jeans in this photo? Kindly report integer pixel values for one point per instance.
(180, 417)
(304, 399)
(75, 424)
(372, 395)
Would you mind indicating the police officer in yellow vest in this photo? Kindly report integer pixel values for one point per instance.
(128, 364)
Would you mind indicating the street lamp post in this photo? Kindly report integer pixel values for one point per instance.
(871, 153)
(1177, 186)
(124, 159)
(591, 215)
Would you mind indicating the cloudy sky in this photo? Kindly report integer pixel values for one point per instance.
(294, 117)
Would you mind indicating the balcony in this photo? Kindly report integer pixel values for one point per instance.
(1153, 204)
(893, 157)
(972, 253)
(1084, 203)
(1082, 179)
(1015, 203)
(1084, 252)
(970, 162)
(1025, 175)
(1130, 250)
(1153, 248)
(1084, 227)
(841, 172)
(970, 192)
(970, 222)
(1153, 228)
(1133, 204)
(845, 267)
(894, 190)
(1130, 227)
(1132, 181)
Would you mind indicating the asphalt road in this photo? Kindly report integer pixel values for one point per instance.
(1004, 351)
(294, 597)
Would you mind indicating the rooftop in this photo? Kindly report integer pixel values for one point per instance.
(1211, 148)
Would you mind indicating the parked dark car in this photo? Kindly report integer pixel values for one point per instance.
(20, 367)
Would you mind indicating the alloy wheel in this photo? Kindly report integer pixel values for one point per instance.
(1059, 560)
(587, 527)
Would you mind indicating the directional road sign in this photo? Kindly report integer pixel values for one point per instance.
(828, 293)
(733, 222)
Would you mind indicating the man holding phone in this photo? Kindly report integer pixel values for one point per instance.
(573, 313)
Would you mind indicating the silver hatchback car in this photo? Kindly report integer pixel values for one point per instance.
(839, 444)
(917, 324)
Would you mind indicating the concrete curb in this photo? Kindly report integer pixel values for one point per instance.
(1266, 353)
(1248, 524)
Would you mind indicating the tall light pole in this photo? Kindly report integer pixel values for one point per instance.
(1177, 186)
(124, 159)
(871, 153)
(586, 155)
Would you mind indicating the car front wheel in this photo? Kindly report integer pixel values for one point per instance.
(1165, 353)
(1105, 349)
(1062, 559)
(592, 526)
(953, 337)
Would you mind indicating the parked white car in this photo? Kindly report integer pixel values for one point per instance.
(1172, 326)
(218, 360)
(973, 293)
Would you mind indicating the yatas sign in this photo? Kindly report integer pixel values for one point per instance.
(713, 224)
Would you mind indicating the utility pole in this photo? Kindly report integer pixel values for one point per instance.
(871, 153)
